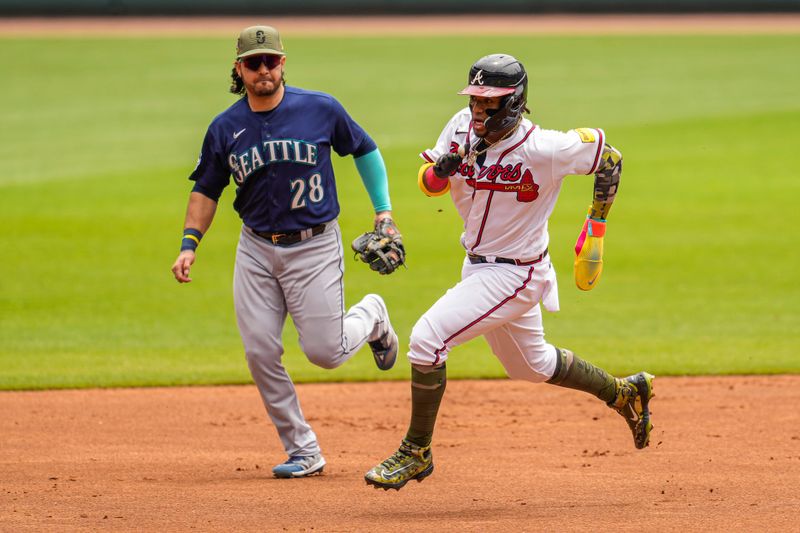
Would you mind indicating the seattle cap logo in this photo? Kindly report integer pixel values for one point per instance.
(259, 40)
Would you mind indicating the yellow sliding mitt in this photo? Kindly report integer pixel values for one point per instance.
(589, 253)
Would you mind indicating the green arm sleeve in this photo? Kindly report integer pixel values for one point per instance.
(373, 173)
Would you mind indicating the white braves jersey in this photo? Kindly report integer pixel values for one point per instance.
(506, 197)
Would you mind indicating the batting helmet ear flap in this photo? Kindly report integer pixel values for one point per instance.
(510, 112)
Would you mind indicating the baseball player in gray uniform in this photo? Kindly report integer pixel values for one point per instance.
(276, 141)
(504, 174)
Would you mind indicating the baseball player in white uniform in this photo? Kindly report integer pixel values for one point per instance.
(504, 174)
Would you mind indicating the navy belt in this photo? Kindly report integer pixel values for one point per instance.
(280, 238)
(475, 259)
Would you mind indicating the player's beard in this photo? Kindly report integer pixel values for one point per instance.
(266, 89)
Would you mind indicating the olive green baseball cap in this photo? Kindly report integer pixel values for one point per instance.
(259, 40)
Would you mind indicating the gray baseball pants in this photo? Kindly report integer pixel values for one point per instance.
(304, 280)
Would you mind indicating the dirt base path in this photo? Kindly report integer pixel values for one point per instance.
(455, 24)
(725, 455)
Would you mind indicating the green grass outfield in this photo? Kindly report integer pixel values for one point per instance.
(97, 137)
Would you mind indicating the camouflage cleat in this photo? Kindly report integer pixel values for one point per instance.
(407, 463)
(633, 397)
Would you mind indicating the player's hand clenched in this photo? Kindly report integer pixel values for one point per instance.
(446, 165)
(180, 269)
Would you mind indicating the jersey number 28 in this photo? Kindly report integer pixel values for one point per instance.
(310, 188)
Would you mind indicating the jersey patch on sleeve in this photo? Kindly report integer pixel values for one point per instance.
(586, 135)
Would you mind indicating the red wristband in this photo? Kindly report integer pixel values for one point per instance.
(595, 228)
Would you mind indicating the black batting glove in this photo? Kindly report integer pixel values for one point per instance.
(446, 165)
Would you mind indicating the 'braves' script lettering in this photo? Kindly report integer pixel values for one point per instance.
(504, 172)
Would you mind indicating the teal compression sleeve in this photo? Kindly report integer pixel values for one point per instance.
(373, 173)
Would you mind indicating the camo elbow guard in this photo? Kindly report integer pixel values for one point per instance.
(606, 182)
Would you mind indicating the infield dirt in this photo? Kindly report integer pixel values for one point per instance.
(456, 24)
(509, 456)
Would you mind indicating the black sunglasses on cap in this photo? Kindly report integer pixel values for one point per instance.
(254, 62)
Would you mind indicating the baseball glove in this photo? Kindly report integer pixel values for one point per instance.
(382, 249)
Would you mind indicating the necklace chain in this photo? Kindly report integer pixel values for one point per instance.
(473, 154)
